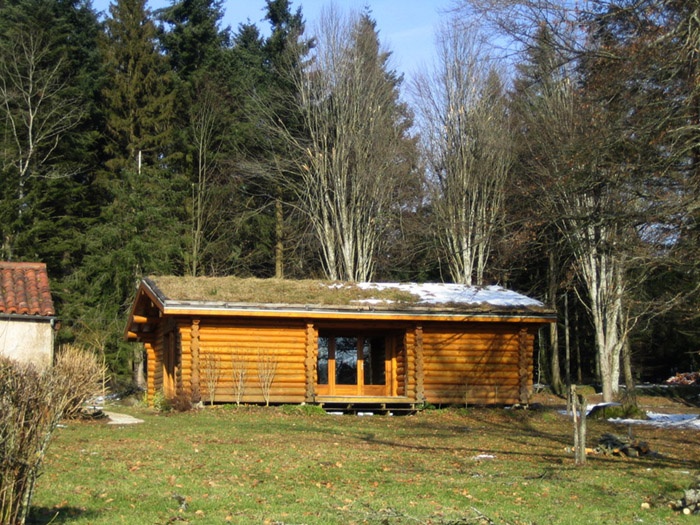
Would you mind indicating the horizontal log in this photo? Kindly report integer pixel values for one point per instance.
(442, 367)
(476, 346)
(462, 334)
(291, 399)
(457, 360)
(266, 337)
(478, 371)
(471, 389)
(482, 393)
(251, 359)
(142, 319)
(472, 381)
(255, 390)
(252, 324)
(251, 391)
(472, 328)
(252, 378)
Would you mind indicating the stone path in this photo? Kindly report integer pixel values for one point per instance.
(121, 419)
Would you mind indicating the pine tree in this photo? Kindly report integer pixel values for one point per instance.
(191, 38)
(49, 77)
(138, 95)
(140, 227)
(199, 53)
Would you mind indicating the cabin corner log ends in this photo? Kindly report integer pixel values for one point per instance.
(325, 355)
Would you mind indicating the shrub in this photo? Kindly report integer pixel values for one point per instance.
(32, 403)
(161, 403)
(303, 410)
(619, 412)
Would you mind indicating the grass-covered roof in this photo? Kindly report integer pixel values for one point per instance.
(327, 294)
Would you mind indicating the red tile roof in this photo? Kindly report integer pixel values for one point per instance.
(24, 289)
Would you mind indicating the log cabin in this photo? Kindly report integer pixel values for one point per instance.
(338, 345)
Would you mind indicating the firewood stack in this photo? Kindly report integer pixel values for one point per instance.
(684, 378)
(690, 504)
(614, 445)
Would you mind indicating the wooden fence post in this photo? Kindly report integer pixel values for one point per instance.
(579, 412)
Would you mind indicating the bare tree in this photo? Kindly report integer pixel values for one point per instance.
(32, 404)
(467, 149)
(38, 106)
(616, 143)
(205, 122)
(352, 156)
(583, 194)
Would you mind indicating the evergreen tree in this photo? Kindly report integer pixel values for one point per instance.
(191, 38)
(262, 84)
(140, 227)
(49, 76)
(199, 53)
(138, 95)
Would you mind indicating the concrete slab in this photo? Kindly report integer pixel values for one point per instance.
(121, 419)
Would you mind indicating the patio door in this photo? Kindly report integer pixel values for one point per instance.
(354, 365)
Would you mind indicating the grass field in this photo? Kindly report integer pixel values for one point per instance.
(281, 465)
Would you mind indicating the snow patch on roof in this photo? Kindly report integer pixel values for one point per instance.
(445, 293)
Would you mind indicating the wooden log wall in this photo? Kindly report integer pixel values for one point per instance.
(400, 360)
(152, 372)
(240, 345)
(409, 365)
(482, 364)
(310, 366)
(195, 377)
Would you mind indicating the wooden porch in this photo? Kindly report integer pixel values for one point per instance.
(375, 404)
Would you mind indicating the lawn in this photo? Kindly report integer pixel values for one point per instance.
(281, 465)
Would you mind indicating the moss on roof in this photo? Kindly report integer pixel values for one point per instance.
(273, 291)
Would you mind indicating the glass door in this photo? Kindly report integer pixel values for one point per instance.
(352, 365)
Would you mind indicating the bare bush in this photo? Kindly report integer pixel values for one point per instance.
(31, 405)
(78, 375)
(239, 376)
(267, 367)
(212, 373)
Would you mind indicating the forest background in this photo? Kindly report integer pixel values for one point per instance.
(551, 148)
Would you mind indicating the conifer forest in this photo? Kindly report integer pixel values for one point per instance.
(552, 147)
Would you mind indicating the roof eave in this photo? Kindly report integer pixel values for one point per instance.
(28, 317)
(170, 307)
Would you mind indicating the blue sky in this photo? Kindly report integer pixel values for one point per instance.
(406, 27)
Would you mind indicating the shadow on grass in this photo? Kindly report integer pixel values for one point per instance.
(542, 434)
(46, 515)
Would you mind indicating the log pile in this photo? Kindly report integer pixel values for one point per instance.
(614, 445)
(684, 378)
(690, 504)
